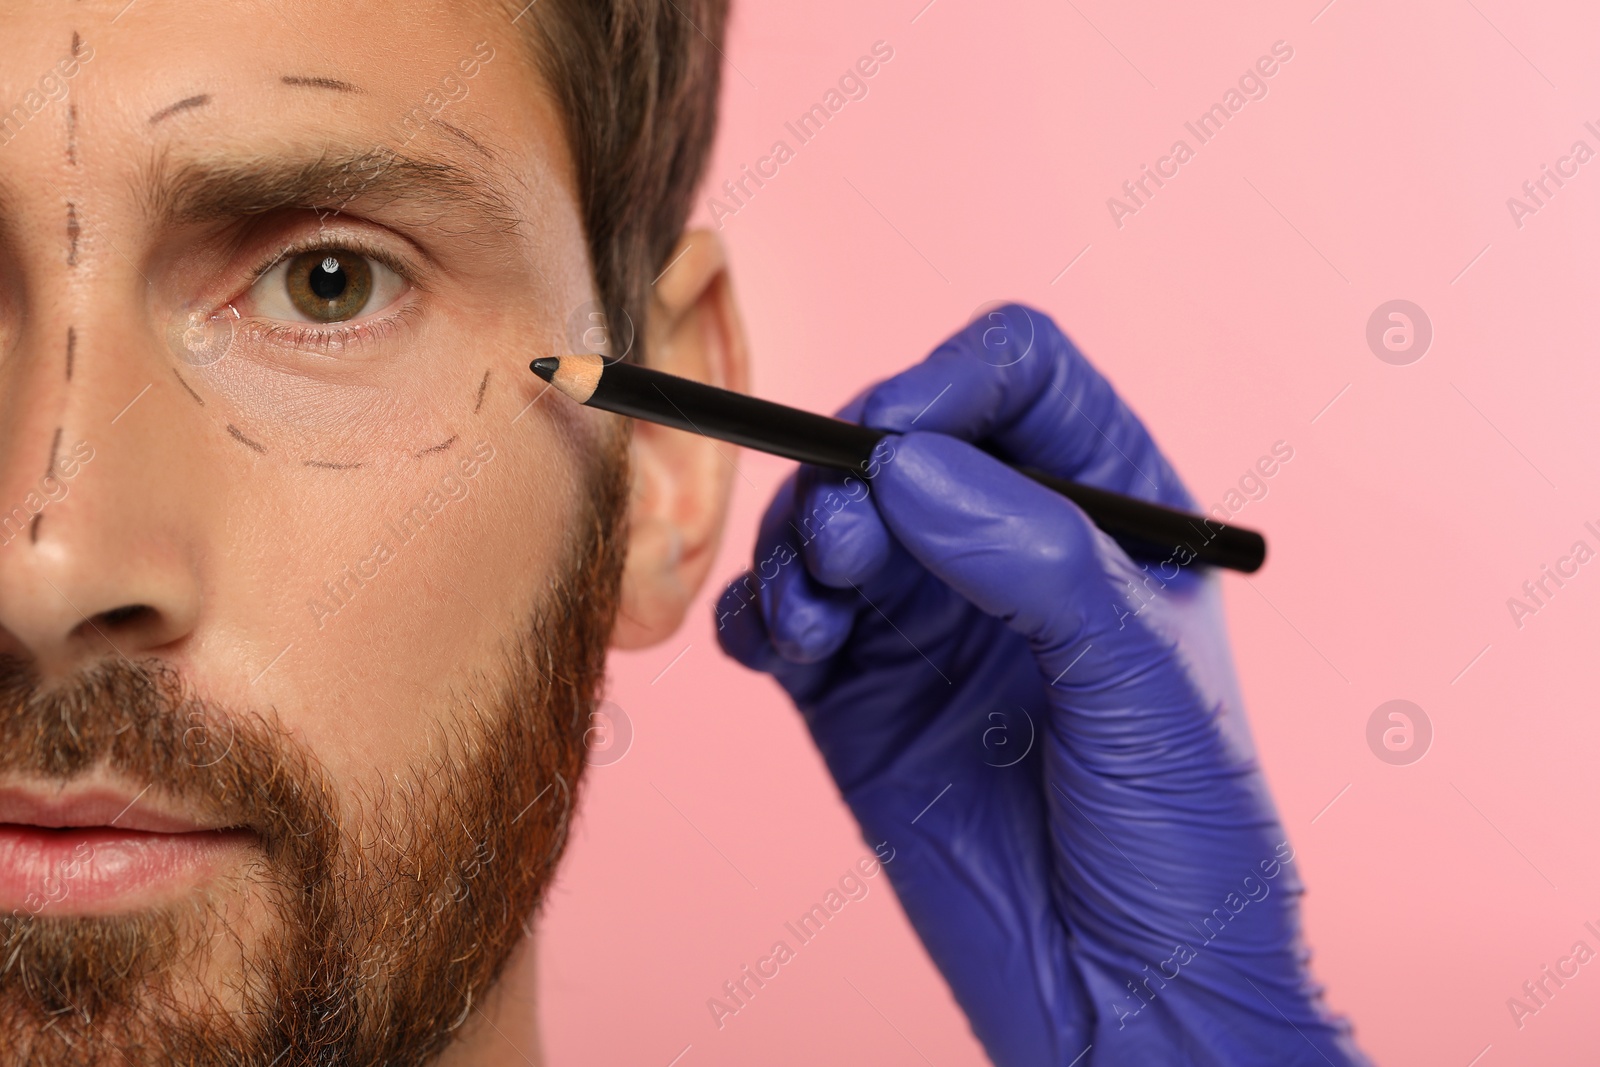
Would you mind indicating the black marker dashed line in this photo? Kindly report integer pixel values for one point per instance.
(72, 343)
(188, 103)
(483, 387)
(334, 84)
(33, 529)
(440, 447)
(321, 464)
(243, 440)
(187, 388)
(72, 111)
(73, 230)
(55, 446)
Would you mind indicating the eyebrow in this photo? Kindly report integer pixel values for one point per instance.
(333, 84)
(221, 190)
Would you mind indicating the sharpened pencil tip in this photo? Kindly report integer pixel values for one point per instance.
(546, 367)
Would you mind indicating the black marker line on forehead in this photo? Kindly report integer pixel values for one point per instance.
(188, 103)
(332, 84)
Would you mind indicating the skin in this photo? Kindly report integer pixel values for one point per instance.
(200, 533)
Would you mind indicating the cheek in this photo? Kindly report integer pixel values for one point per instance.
(388, 586)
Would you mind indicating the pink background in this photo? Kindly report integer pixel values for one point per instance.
(1230, 311)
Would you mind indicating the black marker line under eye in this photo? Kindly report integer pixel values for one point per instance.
(238, 435)
(198, 399)
(440, 447)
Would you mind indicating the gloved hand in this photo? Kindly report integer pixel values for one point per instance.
(1123, 893)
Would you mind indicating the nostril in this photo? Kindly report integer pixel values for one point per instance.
(124, 617)
(126, 629)
(118, 625)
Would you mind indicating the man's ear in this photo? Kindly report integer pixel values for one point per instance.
(681, 481)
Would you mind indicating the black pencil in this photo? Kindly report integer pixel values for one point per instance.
(1146, 530)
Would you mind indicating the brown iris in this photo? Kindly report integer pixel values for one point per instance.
(329, 285)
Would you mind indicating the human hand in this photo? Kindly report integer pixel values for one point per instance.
(1122, 885)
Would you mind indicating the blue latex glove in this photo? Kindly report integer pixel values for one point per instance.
(1124, 893)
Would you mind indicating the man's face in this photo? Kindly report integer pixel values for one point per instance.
(302, 604)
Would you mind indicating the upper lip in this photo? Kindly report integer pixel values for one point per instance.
(96, 807)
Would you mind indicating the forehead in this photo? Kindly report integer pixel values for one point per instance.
(167, 76)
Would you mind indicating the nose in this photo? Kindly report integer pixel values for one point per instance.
(97, 547)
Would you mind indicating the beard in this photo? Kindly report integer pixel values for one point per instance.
(365, 930)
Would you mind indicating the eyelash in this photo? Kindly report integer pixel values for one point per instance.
(334, 336)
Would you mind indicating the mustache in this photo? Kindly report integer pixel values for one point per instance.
(140, 721)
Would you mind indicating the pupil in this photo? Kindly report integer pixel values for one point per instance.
(328, 279)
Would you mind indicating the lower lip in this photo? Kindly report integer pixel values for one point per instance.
(103, 870)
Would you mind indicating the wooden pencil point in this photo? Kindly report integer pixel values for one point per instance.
(577, 375)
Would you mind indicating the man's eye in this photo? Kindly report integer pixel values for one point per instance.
(326, 285)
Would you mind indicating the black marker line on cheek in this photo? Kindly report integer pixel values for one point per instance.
(72, 343)
(186, 388)
(326, 466)
(33, 529)
(482, 388)
(440, 447)
(234, 432)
